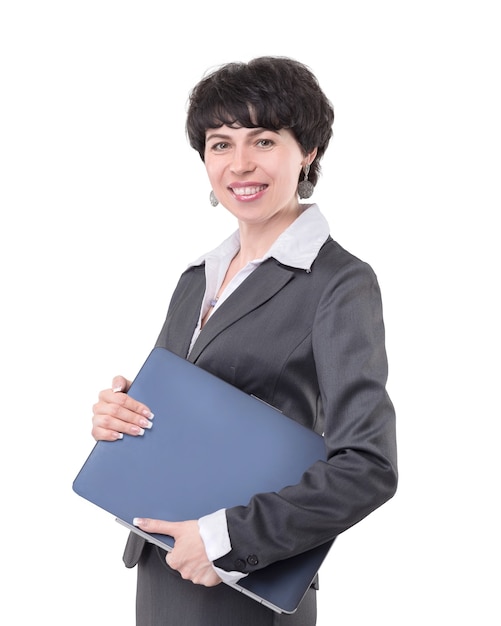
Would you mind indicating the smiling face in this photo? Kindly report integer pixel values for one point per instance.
(254, 172)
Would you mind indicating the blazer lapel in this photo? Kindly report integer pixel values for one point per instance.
(260, 286)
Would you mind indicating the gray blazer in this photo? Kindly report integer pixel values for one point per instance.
(310, 343)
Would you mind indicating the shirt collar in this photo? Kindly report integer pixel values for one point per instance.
(297, 246)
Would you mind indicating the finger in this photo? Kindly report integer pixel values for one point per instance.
(161, 527)
(104, 434)
(120, 406)
(120, 383)
(106, 427)
(124, 405)
(122, 421)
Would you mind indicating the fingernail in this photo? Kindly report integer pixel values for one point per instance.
(117, 388)
(137, 521)
(119, 435)
(146, 423)
(148, 414)
(137, 431)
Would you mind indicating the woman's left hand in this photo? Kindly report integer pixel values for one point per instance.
(188, 556)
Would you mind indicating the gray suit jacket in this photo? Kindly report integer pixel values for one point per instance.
(310, 343)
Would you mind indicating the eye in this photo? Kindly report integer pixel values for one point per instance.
(220, 146)
(265, 143)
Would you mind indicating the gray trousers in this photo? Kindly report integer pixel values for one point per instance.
(165, 599)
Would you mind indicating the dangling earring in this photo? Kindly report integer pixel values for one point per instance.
(213, 200)
(305, 188)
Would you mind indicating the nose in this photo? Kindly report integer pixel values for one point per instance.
(242, 161)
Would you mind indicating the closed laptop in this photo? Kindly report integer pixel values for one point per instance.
(212, 446)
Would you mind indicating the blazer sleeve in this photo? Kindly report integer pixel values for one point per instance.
(360, 474)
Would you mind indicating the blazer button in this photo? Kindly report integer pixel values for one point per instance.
(240, 565)
(252, 559)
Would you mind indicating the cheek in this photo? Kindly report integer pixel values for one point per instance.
(211, 171)
(290, 177)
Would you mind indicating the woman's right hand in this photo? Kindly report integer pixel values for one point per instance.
(116, 413)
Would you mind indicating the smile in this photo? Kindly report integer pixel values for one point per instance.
(248, 191)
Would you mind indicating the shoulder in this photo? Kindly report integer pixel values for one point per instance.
(190, 279)
(333, 260)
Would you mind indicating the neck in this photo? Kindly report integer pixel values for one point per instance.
(257, 238)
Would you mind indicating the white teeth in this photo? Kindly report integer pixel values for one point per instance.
(247, 191)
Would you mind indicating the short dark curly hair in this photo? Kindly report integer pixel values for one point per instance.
(267, 92)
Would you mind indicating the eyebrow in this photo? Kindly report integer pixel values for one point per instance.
(253, 133)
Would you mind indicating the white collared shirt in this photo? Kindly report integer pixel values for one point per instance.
(298, 246)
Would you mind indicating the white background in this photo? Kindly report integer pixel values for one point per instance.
(103, 203)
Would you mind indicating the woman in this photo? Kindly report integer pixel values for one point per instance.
(283, 312)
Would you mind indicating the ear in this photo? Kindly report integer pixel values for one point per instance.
(310, 157)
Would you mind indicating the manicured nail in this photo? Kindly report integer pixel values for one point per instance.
(117, 388)
(148, 414)
(137, 431)
(137, 521)
(146, 423)
(119, 435)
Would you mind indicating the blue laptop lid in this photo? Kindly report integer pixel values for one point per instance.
(211, 446)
